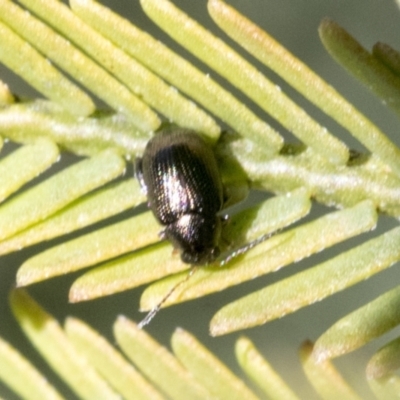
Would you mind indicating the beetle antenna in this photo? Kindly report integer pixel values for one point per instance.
(247, 247)
(152, 313)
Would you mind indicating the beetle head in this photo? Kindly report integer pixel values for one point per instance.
(196, 236)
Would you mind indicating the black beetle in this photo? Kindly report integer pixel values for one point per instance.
(179, 173)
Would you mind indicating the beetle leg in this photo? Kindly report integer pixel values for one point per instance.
(224, 219)
(162, 235)
(139, 174)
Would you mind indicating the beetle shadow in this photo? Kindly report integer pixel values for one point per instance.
(241, 204)
(234, 178)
